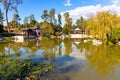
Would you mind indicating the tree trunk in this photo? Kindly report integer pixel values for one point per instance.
(8, 28)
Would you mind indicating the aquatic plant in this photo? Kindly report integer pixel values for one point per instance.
(12, 69)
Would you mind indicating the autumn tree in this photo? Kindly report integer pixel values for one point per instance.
(102, 23)
(9, 5)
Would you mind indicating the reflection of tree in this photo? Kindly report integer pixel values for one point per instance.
(48, 44)
(104, 58)
(68, 46)
(16, 50)
(58, 42)
(30, 47)
(2, 49)
(50, 47)
(8, 49)
(45, 54)
(59, 50)
(52, 54)
(49, 53)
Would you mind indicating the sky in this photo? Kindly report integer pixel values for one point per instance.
(76, 8)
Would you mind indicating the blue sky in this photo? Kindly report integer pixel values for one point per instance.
(76, 8)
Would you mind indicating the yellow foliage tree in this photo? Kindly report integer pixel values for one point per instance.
(101, 24)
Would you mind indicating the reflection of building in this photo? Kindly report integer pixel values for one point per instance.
(78, 33)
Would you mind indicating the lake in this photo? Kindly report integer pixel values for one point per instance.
(73, 59)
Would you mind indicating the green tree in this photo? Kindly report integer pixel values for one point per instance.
(16, 19)
(115, 36)
(1, 28)
(10, 5)
(79, 22)
(47, 28)
(52, 15)
(59, 19)
(32, 17)
(1, 17)
(26, 20)
(68, 25)
(66, 15)
(58, 27)
(11, 23)
(33, 21)
(45, 15)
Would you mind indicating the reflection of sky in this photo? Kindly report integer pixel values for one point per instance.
(77, 53)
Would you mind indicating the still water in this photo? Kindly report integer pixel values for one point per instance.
(73, 60)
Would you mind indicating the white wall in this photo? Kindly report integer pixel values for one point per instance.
(78, 36)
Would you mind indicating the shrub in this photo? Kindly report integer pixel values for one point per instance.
(115, 36)
(9, 39)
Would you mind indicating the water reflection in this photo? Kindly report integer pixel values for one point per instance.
(104, 58)
(68, 46)
(69, 57)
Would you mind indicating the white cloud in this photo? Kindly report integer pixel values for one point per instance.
(68, 3)
(88, 11)
(115, 1)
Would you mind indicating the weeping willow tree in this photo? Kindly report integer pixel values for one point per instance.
(102, 24)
